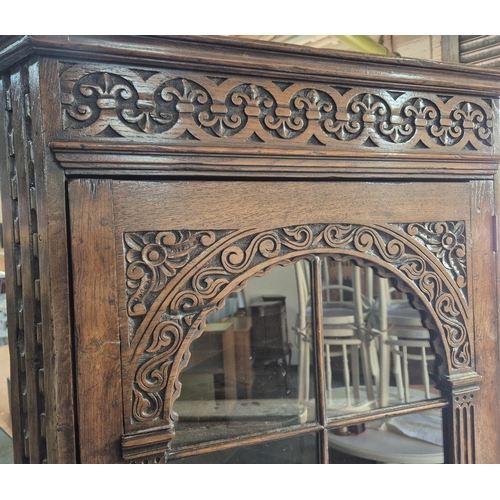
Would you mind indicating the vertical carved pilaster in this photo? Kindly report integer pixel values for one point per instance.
(15, 309)
(459, 424)
(24, 311)
(33, 320)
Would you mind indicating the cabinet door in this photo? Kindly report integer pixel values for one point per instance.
(153, 260)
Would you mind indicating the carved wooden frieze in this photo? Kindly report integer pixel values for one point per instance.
(187, 106)
(176, 278)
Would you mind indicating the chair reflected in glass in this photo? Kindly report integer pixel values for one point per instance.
(345, 314)
(390, 331)
(240, 381)
(407, 340)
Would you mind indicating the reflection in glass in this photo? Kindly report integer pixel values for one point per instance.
(377, 353)
(243, 375)
(296, 450)
(346, 311)
(416, 438)
(253, 369)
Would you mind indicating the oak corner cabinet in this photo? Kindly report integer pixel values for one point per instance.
(145, 179)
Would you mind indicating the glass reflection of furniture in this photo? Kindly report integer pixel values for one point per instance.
(242, 326)
(206, 408)
(212, 354)
(412, 438)
(400, 440)
(263, 400)
(268, 346)
(407, 340)
(287, 345)
(223, 350)
(344, 328)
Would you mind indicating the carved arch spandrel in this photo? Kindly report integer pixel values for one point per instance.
(176, 278)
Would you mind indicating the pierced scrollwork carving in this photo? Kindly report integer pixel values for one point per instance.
(446, 240)
(189, 274)
(153, 259)
(154, 372)
(206, 108)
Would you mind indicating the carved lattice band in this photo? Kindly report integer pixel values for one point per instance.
(190, 106)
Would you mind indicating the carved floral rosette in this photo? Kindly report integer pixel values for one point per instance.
(114, 101)
(176, 278)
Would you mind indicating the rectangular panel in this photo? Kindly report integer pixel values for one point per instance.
(219, 205)
(182, 246)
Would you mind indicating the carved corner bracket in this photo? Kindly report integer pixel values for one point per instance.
(176, 278)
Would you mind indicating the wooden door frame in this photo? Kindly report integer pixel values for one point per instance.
(467, 413)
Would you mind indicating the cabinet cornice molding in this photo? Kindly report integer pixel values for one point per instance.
(262, 58)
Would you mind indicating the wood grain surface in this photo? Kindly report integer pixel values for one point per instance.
(107, 142)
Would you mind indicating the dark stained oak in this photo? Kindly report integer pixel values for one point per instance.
(219, 159)
(486, 314)
(264, 202)
(97, 346)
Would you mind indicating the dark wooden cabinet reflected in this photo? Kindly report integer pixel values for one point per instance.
(239, 381)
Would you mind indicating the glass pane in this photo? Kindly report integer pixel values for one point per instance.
(377, 352)
(250, 371)
(296, 450)
(416, 438)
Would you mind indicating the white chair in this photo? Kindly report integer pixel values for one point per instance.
(414, 438)
(403, 336)
(344, 335)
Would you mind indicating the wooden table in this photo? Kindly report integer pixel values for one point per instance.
(231, 355)
(208, 358)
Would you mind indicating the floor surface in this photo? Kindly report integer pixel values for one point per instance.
(6, 453)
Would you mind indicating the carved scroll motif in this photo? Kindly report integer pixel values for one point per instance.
(113, 101)
(185, 275)
(154, 258)
(446, 240)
